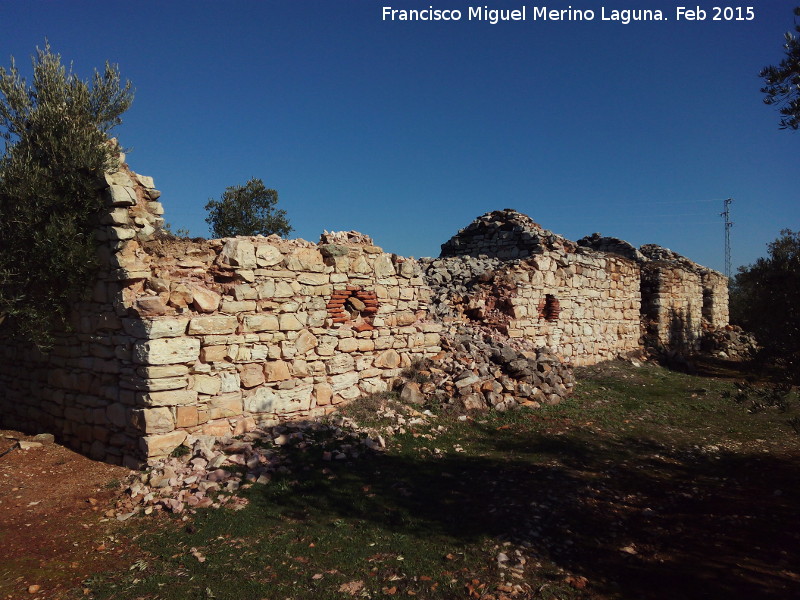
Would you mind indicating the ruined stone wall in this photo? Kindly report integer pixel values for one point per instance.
(582, 304)
(715, 298)
(213, 337)
(672, 305)
(264, 329)
(73, 390)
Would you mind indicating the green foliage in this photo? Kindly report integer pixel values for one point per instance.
(783, 81)
(56, 146)
(247, 210)
(765, 297)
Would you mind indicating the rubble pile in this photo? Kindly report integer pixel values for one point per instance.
(477, 371)
(212, 470)
(729, 342)
(505, 234)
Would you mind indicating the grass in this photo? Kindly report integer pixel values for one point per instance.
(645, 484)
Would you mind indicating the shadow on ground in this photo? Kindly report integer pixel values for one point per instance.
(638, 519)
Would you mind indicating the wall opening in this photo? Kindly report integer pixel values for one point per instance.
(549, 308)
(353, 305)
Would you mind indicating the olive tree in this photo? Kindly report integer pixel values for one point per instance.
(56, 132)
(248, 209)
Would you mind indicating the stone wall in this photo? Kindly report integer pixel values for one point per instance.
(672, 307)
(588, 301)
(212, 337)
(184, 337)
(75, 390)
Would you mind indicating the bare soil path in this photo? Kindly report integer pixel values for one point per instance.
(53, 532)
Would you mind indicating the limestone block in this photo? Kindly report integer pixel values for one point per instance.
(305, 259)
(289, 322)
(323, 393)
(237, 306)
(344, 381)
(213, 353)
(340, 364)
(300, 368)
(207, 384)
(404, 318)
(238, 253)
(203, 299)
(388, 359)
(283, 289)
(262, 322)
(313, 278)
(120, 195)
(226, 405)
(277, 370)
(167, 398)
(245, 292)
(266, 289)
(305, 341)
(251, 375)
(230, 381)
(267, 255)
(347, 345)
(267, 400)
(164, 351)
(214, 325)
(217, 428)
(186, 416)
(152, 420)
(154, 446)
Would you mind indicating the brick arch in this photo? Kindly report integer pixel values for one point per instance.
(353, 305)
(549, 308)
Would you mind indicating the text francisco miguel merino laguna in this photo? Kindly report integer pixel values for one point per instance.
(542, 13)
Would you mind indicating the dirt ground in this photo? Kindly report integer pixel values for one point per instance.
(53, 531)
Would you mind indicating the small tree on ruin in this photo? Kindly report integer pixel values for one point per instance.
(248, 209)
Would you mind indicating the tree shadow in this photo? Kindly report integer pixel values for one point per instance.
(637, 518)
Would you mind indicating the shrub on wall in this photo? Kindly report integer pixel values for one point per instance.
(56, 147)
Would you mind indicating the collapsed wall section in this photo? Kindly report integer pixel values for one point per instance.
(541, 289)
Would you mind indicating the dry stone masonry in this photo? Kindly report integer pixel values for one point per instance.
(182, 340)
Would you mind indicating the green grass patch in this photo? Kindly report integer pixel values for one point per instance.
(645, 484)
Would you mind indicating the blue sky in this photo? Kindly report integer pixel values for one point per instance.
(407, 131)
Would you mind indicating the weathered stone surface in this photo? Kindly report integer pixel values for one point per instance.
(412, 394)
(384, 267)
(289, 322)
(305, 341)
(267, 400)
(388, 359)
(267, 255)
(203, 299)
(323, 393)
(261, 322)
(238, 253)
(276, 370)
(251, 375)
(166, 351)
(167, 398)
(155, 328)
(152, 420)
(340, 363)
(207, 384)
(161, 445)
(216, 325)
